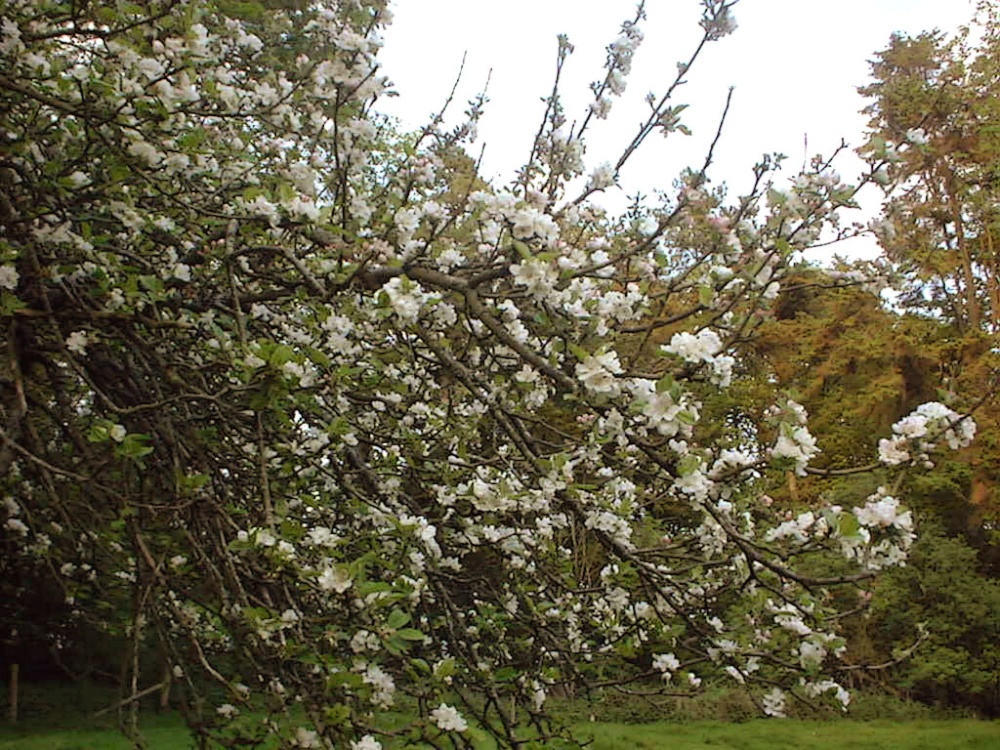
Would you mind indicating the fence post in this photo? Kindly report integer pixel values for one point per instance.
(12, 688)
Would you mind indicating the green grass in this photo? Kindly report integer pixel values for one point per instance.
(165, 733)
(162, 733)
(790, 734)
(58, 717)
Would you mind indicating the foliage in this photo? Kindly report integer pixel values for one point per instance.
(858, 367)
(935, 119)
(281, 388)
(941, 593)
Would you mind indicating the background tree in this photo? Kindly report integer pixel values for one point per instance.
(858, 367)
(944, 596)
(935, 115)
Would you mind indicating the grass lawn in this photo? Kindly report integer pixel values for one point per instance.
(764, 734)
(165, 733)
(162, 733)
(58, 717)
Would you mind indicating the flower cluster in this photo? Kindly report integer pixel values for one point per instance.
(704, 347)
(885, 532)
(598, 373)
(795, 446)
(618, 66)
(717, 19)
(449, 719)
(917, 435)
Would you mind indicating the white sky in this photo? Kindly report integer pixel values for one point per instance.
(795, 65)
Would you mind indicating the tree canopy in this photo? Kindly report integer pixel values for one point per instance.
(934, 113)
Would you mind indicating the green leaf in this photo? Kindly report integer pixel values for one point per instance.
(688, 465)
(666, 383)
(337, 714)
(397, 619)
(373, 587)
(506, 674)
(523, 250)
(9, 303)
(193, 481)
(99, 433)
(136, 445)
(410, 634)
(318, 357)
(848, 525)
(395, 645)
(280, 355)
(344, 679)
(705, 295)
(686, 417)
(445, 669)
(420, 665)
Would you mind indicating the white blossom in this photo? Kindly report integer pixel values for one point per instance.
(666, 664)
(449, 719)
(227, 711)
(647, 226)
(882, 511)
(597, 373)
(8, 277)
(537, 276)
(530, 222)
(602, 177)
(307, 739)
(406, 297)
(774, 703)
(77, 343)
(335, 578)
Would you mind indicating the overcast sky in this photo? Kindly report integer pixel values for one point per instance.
(795, 65)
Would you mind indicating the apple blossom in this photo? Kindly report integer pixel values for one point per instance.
(449, 719)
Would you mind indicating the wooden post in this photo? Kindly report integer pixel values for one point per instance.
(12, 688)
(165, 691)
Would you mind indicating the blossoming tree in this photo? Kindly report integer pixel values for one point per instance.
(332, 434)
